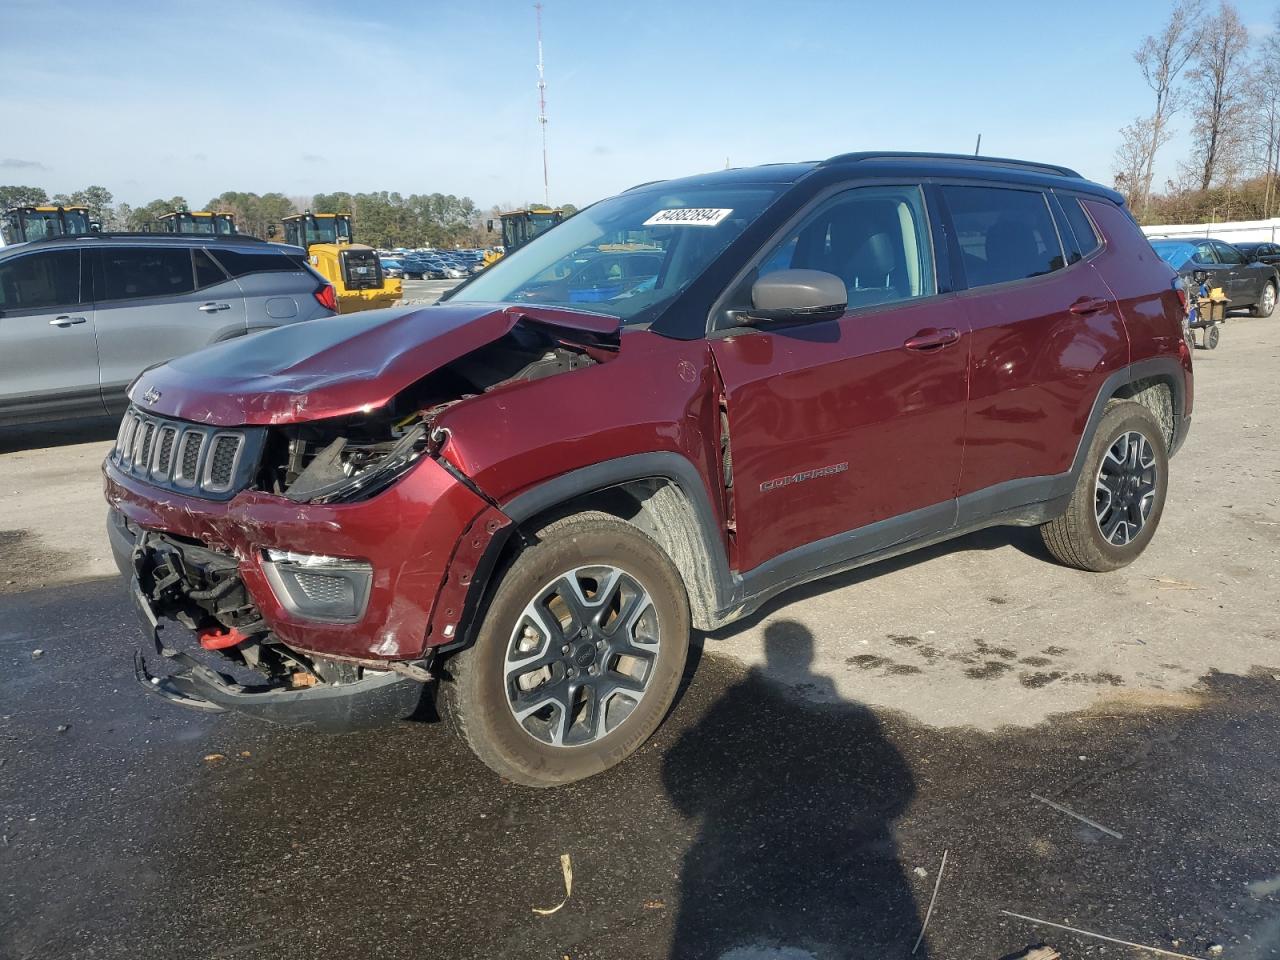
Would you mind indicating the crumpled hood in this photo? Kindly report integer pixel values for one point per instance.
(340, 365)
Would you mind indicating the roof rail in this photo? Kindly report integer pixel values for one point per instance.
(164, 237)
(1050, 168)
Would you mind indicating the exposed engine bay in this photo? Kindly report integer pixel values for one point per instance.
(354, 457)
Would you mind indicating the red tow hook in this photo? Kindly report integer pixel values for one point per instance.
(216, 638)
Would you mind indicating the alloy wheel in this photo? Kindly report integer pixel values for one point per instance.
(1268, 298)
(581, 656)
(1125, 488)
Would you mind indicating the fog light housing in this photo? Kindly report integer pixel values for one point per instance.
(317, 587)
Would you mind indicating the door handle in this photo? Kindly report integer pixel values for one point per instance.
(1087, 307)
(65, 321)
(932, 339)
(214, 307)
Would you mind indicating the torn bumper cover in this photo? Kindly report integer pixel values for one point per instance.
(337, 696)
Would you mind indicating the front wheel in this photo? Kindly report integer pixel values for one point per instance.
(578, 656)
(1119, 497)
(1266, 304)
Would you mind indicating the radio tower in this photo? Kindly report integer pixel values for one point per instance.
(542, 111)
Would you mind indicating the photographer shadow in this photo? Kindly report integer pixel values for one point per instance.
(796, 856)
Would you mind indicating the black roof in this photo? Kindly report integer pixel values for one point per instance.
(162, 237)
(876, 163)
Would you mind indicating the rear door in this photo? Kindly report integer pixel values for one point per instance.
(838, 425)
(1046, 333)
(48, 352)
(149, 309)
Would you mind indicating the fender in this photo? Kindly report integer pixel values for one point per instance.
(702, 560)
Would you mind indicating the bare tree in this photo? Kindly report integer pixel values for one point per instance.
(1130, 163)
(1218, 88)
(1162, 58)
(1264, 120)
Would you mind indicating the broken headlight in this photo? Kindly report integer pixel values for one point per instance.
(348, 461)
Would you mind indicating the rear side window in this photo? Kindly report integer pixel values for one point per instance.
(1080, 227)
(1204, 253)
(208, 273)
(136, 272)
(240, 264)
(1004, 234)
(875, 239)
(40, 280)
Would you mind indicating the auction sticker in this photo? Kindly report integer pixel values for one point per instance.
(687, 217)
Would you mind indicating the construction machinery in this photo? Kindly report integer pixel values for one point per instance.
(23, 224)
(353, 268)
(198, 221)
(521, 226)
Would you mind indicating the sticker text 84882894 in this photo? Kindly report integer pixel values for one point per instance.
(688, 217)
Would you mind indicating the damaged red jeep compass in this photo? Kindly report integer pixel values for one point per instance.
(652, 418)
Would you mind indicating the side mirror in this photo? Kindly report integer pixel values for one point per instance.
(795, 296)
(489, 226)
(271, 230)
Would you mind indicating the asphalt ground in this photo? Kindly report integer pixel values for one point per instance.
(797, 802)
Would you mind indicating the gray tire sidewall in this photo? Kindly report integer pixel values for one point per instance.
(1120, 419)
(481, 696)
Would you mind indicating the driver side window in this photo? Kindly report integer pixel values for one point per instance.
(1227, 253)
(875, 239)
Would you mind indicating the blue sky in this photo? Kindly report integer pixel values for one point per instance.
(153, 99)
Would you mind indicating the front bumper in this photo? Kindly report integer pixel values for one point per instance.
(370, 701)
(409, 535)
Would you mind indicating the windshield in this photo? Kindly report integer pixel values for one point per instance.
(628, 256)
(1174, 254)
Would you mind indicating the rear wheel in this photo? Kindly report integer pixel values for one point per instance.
(578, 656)
(1266, 304)
(1119, 498)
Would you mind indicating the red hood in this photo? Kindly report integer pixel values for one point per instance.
(340, 365)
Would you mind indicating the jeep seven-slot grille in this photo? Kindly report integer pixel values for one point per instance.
(191, 458)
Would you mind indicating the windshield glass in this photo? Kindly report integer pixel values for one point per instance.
(1173, 253)
(628, 256)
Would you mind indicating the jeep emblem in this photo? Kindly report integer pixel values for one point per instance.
(151, 396)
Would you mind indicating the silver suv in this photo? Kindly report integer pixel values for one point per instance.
(81, 316)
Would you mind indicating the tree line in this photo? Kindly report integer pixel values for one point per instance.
(382, 218)
(1204, 66)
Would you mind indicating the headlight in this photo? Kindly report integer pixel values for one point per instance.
(348, 467)
(319, 587)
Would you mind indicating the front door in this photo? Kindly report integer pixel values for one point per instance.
(48, 353)
(840, 425)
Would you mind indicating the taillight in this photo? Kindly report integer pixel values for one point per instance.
(327, 298)
(1182, 296)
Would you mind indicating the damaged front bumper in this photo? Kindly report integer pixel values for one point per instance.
(355, 699)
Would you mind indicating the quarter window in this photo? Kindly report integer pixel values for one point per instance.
(40, 280)
(134, 273)
(239, 264)
(1081, 228)
(1004, 234)
(875, 239)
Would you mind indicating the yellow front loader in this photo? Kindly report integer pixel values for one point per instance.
(521, 226)
(353, 268)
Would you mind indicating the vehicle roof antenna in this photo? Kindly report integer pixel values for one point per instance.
(542, 111)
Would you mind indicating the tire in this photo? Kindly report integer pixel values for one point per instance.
(1077, 538)
(1266, 304)
(602, 673)
(1211, 336)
